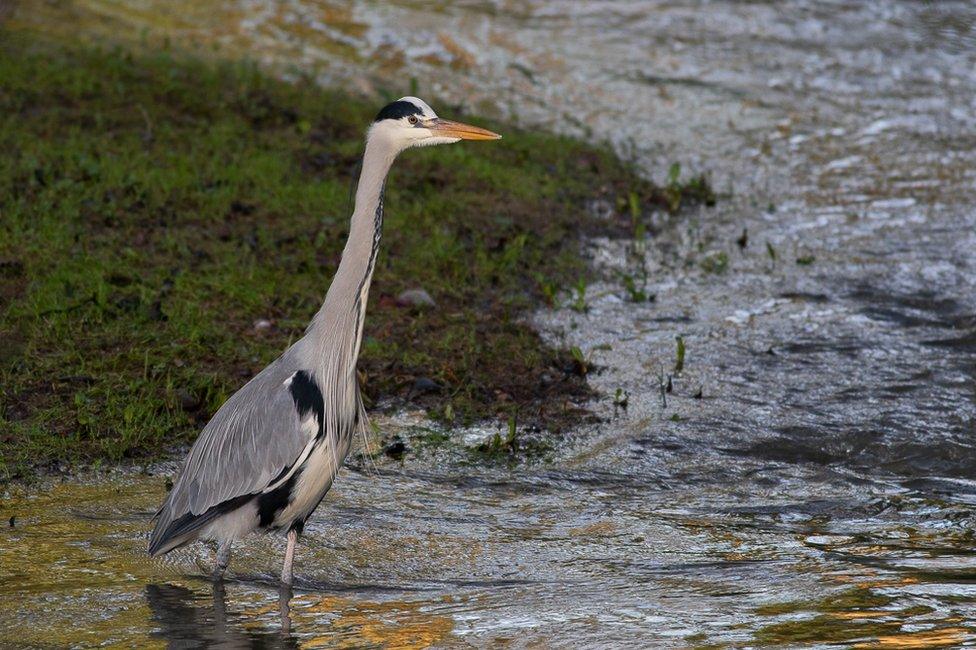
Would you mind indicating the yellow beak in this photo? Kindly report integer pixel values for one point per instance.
(450, 129)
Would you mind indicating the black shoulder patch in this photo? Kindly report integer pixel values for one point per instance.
(398, 109)
(307, 396)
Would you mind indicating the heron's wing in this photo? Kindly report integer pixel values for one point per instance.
(255, 437)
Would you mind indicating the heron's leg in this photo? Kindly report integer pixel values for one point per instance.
(286, 574)
(223, 559)
(284, 607)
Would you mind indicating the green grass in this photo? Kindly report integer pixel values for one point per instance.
(153, 207)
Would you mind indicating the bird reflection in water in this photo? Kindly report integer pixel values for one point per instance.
(185, 623)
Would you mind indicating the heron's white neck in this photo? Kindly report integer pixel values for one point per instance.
(349, 291)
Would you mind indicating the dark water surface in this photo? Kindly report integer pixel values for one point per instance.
(819, 493)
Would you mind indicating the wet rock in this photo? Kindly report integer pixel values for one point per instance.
(188, 401)
(418, 298)
(424, 385)
(396, 448)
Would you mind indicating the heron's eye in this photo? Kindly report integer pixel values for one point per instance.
(412, 119)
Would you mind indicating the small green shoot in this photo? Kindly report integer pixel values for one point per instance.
(511, 440)
(581, 362)
(663, 386)
(634, 202)
(743, 240)
(620, 398)
(672, 188)
(716, 263)
(549, 290)
(578, 300)
(636, 292)
(679, 361)
(637, 228)
(674, 174)
(696, 189)
(497, 446)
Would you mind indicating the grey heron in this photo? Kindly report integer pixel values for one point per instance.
(269, 455)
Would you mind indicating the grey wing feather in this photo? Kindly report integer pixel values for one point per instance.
(251, 439)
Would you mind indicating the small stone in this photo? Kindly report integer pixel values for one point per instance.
(415, 298)
(261, 324)
(600, 208)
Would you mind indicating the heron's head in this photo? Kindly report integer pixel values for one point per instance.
(410, 122)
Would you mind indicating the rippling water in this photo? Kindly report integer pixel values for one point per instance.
(821, 490)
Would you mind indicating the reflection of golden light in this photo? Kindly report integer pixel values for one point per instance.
(851, 577)
(394, 624)
(858, 580)
(853, 616)
(75, 560)
(82, 576)
(926, 639)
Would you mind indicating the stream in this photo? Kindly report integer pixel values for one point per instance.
(809, 480)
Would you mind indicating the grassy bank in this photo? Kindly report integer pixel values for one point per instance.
(168, 226)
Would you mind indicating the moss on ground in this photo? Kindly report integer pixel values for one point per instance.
(155, 207)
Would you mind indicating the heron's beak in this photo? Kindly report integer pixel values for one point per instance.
(449, 129)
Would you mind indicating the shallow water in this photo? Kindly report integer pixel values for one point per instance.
(820, 492)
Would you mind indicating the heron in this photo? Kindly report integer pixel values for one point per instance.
(269, 455)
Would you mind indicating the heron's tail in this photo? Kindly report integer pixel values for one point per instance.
(170, 533)
(162, 539)
(165, 544)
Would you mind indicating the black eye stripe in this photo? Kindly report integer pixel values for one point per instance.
(398, 110)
